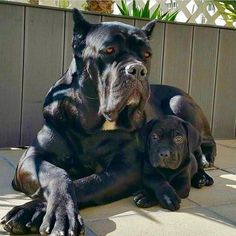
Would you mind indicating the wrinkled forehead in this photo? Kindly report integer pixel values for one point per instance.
(112, 32)
(169, 124)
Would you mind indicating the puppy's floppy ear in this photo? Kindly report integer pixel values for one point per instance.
(148, 28)
(81, 26)
(145, 132)
(193, 136)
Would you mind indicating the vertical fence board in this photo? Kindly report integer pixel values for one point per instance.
(157, 45)
(69, 32)
(34, 54)
(177, 55)
(225, 98)
(42, 66)
(11, 61)
(203, 68)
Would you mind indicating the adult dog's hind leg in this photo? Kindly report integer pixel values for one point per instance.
(209, 150)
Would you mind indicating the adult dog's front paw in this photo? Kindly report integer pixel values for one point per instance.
(168, 198)
(62, 215)
(144, 199)
(25, 219)
(62, 218)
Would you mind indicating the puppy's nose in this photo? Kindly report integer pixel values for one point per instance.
(138, 70)
(164, 154)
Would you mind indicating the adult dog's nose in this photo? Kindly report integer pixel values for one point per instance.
(138, 70)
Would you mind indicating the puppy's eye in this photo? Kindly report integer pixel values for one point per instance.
(109, 50)
(155, 136)
(146, 55)
(178, 139)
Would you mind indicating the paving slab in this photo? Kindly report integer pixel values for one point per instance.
(226, 157)
(208, 211)
(228, 142)
(222, 192)
(226, 210)
(195, 221)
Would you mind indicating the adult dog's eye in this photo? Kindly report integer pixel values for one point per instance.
(178, 139)
(109, 50)
(146, 55)
(155, 136)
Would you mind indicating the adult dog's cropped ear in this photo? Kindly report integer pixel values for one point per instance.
(148, 28)
(193, 136)
(81, 26)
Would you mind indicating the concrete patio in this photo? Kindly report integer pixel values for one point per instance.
(209, 211)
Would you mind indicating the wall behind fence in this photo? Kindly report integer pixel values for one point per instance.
(35, 49)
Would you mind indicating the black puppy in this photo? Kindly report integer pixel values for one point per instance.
(86, 153)
(168, 100)
(169, 163)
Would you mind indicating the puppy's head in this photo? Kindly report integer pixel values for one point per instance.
(117, 57)
(170, 141)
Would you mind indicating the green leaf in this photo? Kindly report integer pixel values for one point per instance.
(136, 11)
(162, 17)
(146, 11)
(156, 12)
(123, 8)
(172, 16)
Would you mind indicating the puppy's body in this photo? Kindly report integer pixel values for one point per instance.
(169, 163)
(171, 111)
(168, 100)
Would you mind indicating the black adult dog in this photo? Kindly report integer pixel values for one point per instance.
(170, 165)
(86, 153)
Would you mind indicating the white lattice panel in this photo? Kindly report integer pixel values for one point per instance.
(192, 11)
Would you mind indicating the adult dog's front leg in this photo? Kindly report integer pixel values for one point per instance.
(55, 212)
(119, 180)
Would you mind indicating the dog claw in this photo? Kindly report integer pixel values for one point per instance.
(28, 225)
(47, 230)
(3, 220)
(71, 233)
(7, 226)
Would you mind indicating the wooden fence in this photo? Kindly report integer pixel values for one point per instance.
(35, 49)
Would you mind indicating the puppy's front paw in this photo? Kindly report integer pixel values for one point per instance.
(169, 199)
(144, 199)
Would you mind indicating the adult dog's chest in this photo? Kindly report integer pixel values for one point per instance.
(96, 151)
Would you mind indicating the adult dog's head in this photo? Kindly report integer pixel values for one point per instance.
(116, 57)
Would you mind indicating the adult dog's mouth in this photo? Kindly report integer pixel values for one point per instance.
(112, 111)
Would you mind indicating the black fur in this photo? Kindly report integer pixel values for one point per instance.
(77, 160)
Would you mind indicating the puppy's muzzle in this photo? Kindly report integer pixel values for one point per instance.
(164, 154)
(137, 70)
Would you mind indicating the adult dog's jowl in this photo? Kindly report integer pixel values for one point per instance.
(86, 153)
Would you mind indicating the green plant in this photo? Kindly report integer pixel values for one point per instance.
(227, 9)
(145, 11)
(64, 3)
